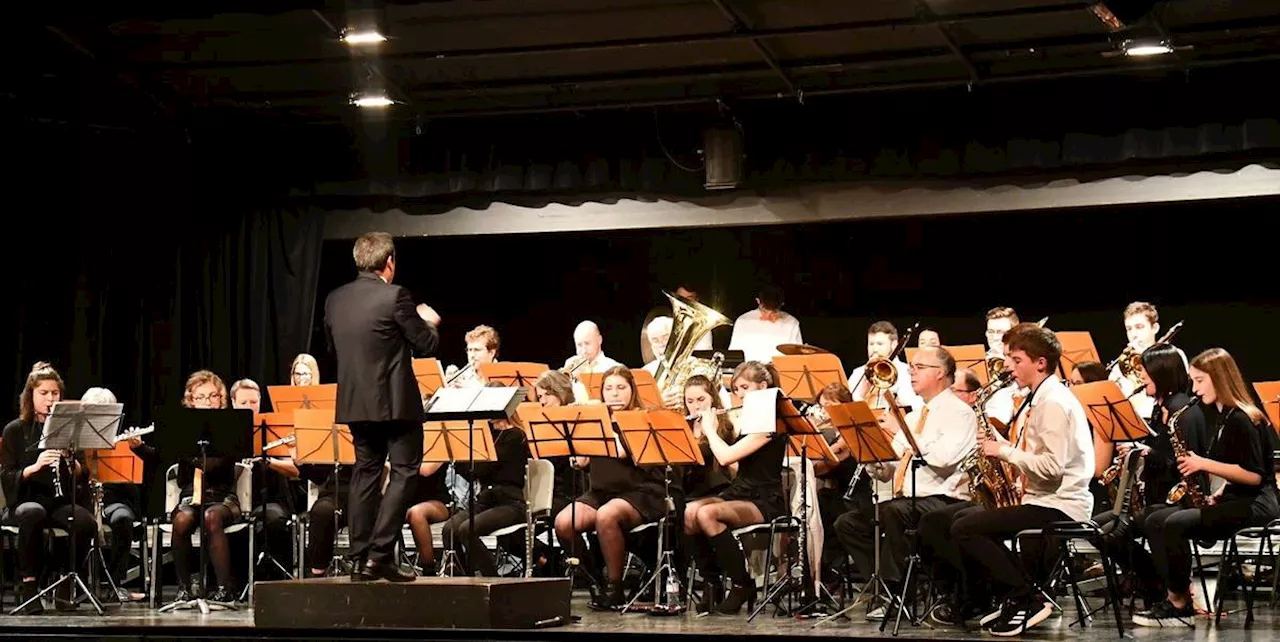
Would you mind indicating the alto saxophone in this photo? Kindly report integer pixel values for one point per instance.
(991, 481)
(1188, 488)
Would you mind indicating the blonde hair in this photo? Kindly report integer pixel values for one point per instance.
(1145, 309)
(308, 361)
(1003, 313)
(200, 378)
(41, 371)
(1228, 383)
(486, 334)
(245, 384)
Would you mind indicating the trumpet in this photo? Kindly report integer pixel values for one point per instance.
(459, 373)
(576, 362)
(1130, 359)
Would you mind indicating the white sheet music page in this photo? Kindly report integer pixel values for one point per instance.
(759, 412)
(493, 398)
(453, 400)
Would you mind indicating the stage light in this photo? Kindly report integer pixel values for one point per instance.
(360, 38)
(1147, 49)
(372, 100)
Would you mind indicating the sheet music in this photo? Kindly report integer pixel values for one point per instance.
(454, 400)
(759, 412)
(493, 398)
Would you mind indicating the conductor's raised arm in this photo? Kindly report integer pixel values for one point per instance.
(418, 330)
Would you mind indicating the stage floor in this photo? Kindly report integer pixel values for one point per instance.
(138, 622)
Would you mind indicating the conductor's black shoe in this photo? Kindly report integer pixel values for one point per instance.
(372, 570)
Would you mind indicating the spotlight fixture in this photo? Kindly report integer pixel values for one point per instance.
(1139, 49)
(371, 99)
(362, 38)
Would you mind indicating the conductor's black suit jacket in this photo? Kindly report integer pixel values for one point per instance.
(372, 328)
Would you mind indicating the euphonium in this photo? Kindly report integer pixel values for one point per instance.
(690, 321)
(1185, 487)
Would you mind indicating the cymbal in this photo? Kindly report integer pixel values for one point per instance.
(800, 349)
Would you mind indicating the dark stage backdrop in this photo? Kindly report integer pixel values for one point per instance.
(1209, 264)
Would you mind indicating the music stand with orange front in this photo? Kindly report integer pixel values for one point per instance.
(513, 374)
(272, 426)
(804, 376)
(1110, 412)
(320, 440)
(1269, 394)
(1077, 347)
(973, 358)
(114, 465)
(646, 386)
(804, 439)
(659, 438)
(289, 398)
(429, 375)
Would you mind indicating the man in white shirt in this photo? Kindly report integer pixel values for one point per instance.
(658, 332)
(999, 321)
(945, 429)
(1142, 327)
(1054, 455)
(589, 358)
(758, 333)
(882, 341)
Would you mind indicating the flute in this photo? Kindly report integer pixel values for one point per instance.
(718, 412)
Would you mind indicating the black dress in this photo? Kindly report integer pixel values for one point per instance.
(1235, 440)
(759, 479)
(619, 478)
(1160, 467)
(706, 480)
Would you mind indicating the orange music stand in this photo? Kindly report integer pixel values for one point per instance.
(319, 440)
(447, 441)
(646, 386)
(972, 357)
(858, 425)
(1269, 394)
(1110, 413)
(1077, 347)
(115, 465)
(804, 440)
(289, 398)
(429, 376)
(658, 438)
(279, 425)
(513, 374)
(568, 431)
(804, 376)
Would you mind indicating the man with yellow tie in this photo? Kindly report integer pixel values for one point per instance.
(945, 429)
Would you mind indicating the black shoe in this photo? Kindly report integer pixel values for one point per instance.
(372, 570)
(1017, 620)
(26, 591)
(222, 595)
(1166, 614)
(609, 599)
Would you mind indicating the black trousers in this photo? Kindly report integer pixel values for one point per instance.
(322, 523)
(375, 521)
(34, 517)
(981, 536)
(120, 518)
(1126, 552)
(856, 532)
(935, 536)
(1169, 532)
(458, 534)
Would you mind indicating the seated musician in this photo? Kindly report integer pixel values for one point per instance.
(36, 497)
(499, 502)
(966, 385)
(882, 341)
(588, 357)
(555, 389)
(430, 505)
(1242, 456)
(304, 371)
(1165, 379)
(706, 480)
(323, 519)
(622, 496)
(945, 428)
(929, 339)
(659, 332)
(1053, 452)
(275, 493)
(999, 321)
(759, 332)
(218, 505)
(834, 480)
(121, 506)
(482, 347)
(1142, 328)
(754, 497)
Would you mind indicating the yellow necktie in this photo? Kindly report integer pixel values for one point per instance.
(900, 475)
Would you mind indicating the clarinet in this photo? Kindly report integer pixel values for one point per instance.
(57, 477)
(857, 475)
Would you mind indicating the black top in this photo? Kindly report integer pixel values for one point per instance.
(1160, 467)
(219, 478)
(371, 326)
(616, 476)
(842, 473)
(705, 480)
(501, 481)
(19, 450)
(1237, 441)
(323, 476)
(760, 473)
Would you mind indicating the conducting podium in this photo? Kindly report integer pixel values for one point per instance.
(451, 430)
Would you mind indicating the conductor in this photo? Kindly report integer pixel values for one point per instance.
(371, 326)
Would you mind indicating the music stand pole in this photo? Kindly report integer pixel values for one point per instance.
(265, 554)
(199, 601)
(662, 604)
(336, 563)
(913, 560)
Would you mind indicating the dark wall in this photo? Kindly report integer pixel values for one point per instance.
(1205, 263)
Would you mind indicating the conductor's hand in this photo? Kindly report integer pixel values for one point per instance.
(428, 314)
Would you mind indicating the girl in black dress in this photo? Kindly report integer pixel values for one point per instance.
(35, 502)
(1240, 452)
(702, 483)
(622, 495)
(218, 505)
(1164, 376)
(754, 497)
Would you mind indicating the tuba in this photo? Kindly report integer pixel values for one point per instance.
(690, 320)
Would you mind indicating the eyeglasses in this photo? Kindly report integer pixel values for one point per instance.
(995, 333)
(204, 398)
(916, 367)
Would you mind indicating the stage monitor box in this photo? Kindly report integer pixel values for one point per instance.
(443, 603)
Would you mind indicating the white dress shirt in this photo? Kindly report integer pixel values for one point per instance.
(1055, 453)
(652, 367)
(596, 366)
(907, 398)
(949, 433)
(759, 339)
